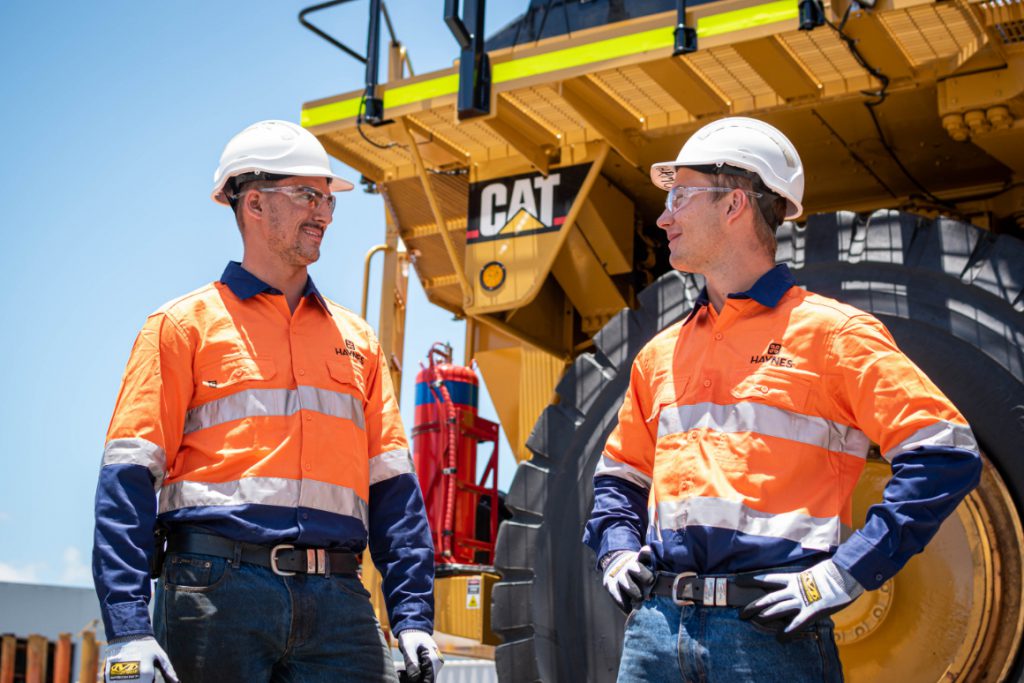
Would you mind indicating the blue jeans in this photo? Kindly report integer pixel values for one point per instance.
(225, 623)
(665, 642)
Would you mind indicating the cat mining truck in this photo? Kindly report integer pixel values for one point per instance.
(515, 183)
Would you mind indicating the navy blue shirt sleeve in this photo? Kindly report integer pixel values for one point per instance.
(619, 517)
(403, 552)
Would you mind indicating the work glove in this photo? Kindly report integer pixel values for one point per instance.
(801, 597)
(628, 576)
(136, 659)
(423, 661)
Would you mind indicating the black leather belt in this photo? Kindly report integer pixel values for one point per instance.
(710, 591)
(283, 560)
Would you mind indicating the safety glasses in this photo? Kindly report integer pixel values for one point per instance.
(306, 197)
(680, 195)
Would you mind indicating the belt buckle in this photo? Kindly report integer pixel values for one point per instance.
(675, 588)
(273, 559)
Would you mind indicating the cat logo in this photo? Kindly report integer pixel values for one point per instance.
(522, 205)
(809, 588)
(124, 671)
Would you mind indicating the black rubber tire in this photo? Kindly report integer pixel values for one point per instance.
(953, 297)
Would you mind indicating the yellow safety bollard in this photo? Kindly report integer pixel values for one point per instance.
(62, 659)
(35, 659)
(88, 664)
(8, 651)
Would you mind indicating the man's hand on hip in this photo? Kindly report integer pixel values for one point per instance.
(803, 597)
(628, 576)
(137, 660)
(423, 661)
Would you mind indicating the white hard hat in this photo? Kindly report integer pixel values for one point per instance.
(278, 148)
(746, 144)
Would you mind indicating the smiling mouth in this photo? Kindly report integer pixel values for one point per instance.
(313, 231)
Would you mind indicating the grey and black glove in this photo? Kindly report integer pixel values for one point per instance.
(423, 659)
(629, 576)
(136, 659)
(802, 597)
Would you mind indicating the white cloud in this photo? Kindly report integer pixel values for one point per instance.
(75, 571)
(26, 573)
(4, 516)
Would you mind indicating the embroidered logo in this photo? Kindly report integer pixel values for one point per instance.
(771, 357)
(809, 588)
(350, 350)
(124, 671)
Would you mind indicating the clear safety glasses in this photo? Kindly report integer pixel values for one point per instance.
(306, 197)
(680, 196)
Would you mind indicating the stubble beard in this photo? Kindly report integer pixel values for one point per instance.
(294, 252)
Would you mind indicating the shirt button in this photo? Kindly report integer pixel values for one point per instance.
(878, 577)
(308, 466)
(305, 515)
(302, 372)
(707, 383)
(718, 336)
(309, 418)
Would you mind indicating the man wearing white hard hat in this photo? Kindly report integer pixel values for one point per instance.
(257, 440)
(721, 516)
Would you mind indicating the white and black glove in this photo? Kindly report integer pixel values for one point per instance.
(629, 576)
(803, 597)
(423, 661)
(136, 659)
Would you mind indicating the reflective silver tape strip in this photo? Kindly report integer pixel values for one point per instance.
(137, 452)
(341, 500)
(289, 493)
(276, 402)
(939, 434)
(815, 533)
(333, 403)
(607, 467)
(767, 420)
(390, 464)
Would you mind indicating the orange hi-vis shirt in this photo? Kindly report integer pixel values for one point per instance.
(743, 434)
(263, 426)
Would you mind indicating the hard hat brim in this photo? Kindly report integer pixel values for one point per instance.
(334, 182)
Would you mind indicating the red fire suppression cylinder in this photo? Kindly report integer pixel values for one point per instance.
(445, 436)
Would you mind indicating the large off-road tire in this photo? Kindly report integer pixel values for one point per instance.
(953, 297)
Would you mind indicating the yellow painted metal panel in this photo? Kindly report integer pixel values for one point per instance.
(580, 55)
(462, 606)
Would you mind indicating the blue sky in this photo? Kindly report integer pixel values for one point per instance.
(115, 114)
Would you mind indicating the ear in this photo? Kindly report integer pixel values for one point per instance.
(736, 202)
(252, 204)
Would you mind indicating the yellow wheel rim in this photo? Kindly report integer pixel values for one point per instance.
(954, 613)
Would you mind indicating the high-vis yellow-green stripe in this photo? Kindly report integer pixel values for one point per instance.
(599, 51)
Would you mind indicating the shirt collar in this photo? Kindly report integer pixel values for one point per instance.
(245, 285)
(767, 291)
(770, 287)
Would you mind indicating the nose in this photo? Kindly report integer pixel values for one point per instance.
(323, 213)
(665, 220)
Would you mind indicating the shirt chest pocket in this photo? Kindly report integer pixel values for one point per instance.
(342, 372)
(230, 371)
(668, 401)
(786, 389)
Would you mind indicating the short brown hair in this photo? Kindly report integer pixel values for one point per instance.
(770, 207)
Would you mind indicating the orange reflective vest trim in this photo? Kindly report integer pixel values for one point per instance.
(758, 419)
(231, 402)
